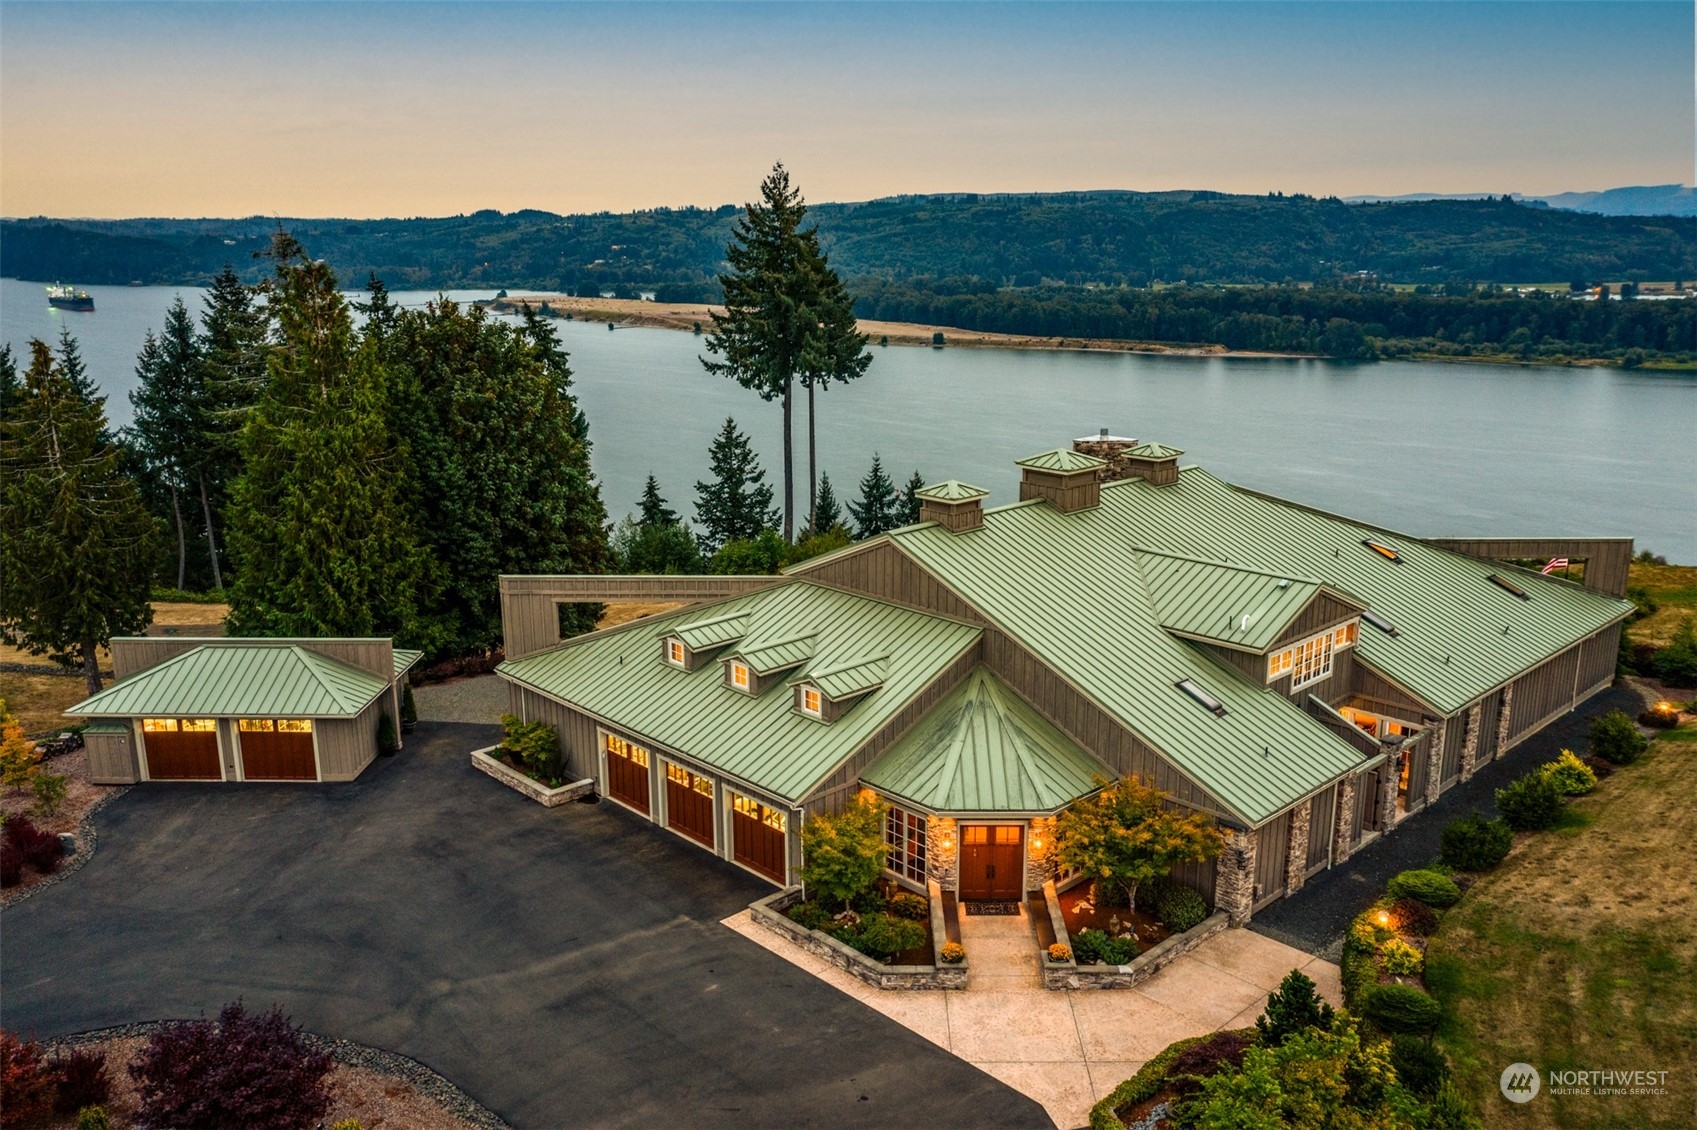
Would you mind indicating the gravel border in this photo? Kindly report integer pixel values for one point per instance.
(428, 1083)
(86, 842)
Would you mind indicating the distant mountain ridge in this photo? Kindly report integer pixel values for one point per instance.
(1633, 200)
(959, 242)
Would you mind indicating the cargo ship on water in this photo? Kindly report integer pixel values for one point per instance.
(69, 298)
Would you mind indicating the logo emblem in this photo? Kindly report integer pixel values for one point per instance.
(1519, 1083)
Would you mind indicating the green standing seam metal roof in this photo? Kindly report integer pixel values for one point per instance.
(761, 740)
(405, 657)
(845, 680)
(1231, 604)
(715, 631)
(764, 657)
(1451, 647)
(240, 681)
(982, 749)
(1067, 587)
(107, 727)
(1154, 451)
(1061, 461)
(951, 491)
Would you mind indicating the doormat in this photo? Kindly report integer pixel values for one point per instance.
(992, 908)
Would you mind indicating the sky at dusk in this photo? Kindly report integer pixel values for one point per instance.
(386, 109)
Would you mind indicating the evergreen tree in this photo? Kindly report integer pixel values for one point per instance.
(910, 500)
(737, 504)
(786, 316)
(169, 429)
(79, 548)
(380, 313)
(323, 541)
(827, 511)
(9, 386)
(834, 351)
(233, 350)
(638, 547)
(497, 471)
(72, 368)
(879, 507)
(654, 510)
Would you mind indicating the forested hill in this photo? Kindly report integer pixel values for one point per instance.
(1070, 238)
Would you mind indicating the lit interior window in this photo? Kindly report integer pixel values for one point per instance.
(1344, 635)
(257, 726)
(158, 725)
(294, 725)
(1380, 623)
(810, 703)
(630, 751)
(675, 652)
(1508, 586)
(1208, 701)
(1279, 662)
(198, 725)
(1387, 552)
(739, 676)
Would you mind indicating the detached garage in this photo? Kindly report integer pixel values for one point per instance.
(186, 709)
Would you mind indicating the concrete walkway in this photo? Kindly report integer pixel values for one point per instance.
(1067, 1049)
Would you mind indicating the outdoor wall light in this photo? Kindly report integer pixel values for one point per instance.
(1383, 919)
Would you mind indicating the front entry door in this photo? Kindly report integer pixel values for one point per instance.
(992, 859)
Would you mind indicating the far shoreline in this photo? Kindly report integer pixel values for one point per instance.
(686, 316)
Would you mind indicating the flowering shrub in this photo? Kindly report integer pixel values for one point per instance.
(1059, 952)
(252, 1071)
(954, 953)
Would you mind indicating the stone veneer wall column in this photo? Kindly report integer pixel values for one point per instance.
(1234, 877)
(1435, 762)
(1343, 821)
(1040, 862)
(1296, 857)
(1390, 779)
(1502, 719)
(1470, 741)
(942, 851)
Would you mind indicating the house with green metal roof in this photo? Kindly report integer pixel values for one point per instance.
(232, 709)
(1307, 680)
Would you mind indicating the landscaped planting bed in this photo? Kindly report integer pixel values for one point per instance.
(937, 963)
(1094, 947)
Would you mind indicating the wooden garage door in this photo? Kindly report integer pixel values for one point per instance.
(181, 749)
(758, 836)
(627, 773)
(689, 804)
(277, 749)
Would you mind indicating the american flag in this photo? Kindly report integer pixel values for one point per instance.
(1555, 563)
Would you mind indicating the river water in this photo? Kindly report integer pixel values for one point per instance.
(1423, 447)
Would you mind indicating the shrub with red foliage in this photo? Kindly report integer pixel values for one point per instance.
(458, 667)
(1223, 1051)
(81, 1079)
(41, 850)
(26, 1087)
(256, 1072)
(1411, 916)
(11, 865)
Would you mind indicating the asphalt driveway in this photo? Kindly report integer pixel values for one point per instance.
(567, 967)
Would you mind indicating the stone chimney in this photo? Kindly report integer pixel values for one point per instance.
(1067, 480)
(1108, 448)
(954, 505)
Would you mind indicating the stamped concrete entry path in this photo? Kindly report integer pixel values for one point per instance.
(1067, 1049)
(565, 966)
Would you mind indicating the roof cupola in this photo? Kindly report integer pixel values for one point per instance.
(954, 505)
(1067, 480)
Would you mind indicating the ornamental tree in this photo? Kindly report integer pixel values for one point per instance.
(1127, 834)
(843, 854)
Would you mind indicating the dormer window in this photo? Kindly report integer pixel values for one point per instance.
(739, 675)
(675, 653)
(812, 703)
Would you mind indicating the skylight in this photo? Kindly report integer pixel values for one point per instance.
(1389, 553)
(1207, 701)
(1380, 623)
(1509, 586)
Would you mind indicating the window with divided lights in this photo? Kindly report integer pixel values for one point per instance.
(675, 653)
(1311, 660)
(904, 833)
(754, 810)
(811, 704)
(739, 676)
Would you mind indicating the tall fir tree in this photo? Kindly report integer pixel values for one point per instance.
(652, 508)
(72, 367)
(835, 352)
(737, 503)
(233, 347)
(787, 317)
(879, 507)
(10, 387)
(323, 542)
(910, 500)
(167, 435)
(496, 462)
(80, 547)
(827, 511)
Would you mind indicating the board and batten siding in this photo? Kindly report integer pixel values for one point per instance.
(574, 731)
(112, 753)
(1455, 733)
(132, 655)
(530, 606)
(884, 571)
(1089, 725)
(1201, 876)
(1272, 845)
(1607, 560)
(348, 745)
(1320, 614)
(1320, 827)
(1381, 696)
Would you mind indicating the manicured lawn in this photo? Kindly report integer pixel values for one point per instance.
(1674, 589)
(1580, 952)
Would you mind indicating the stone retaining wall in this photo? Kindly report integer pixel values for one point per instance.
(769, 913)
(1071, 975)
(535, 790)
